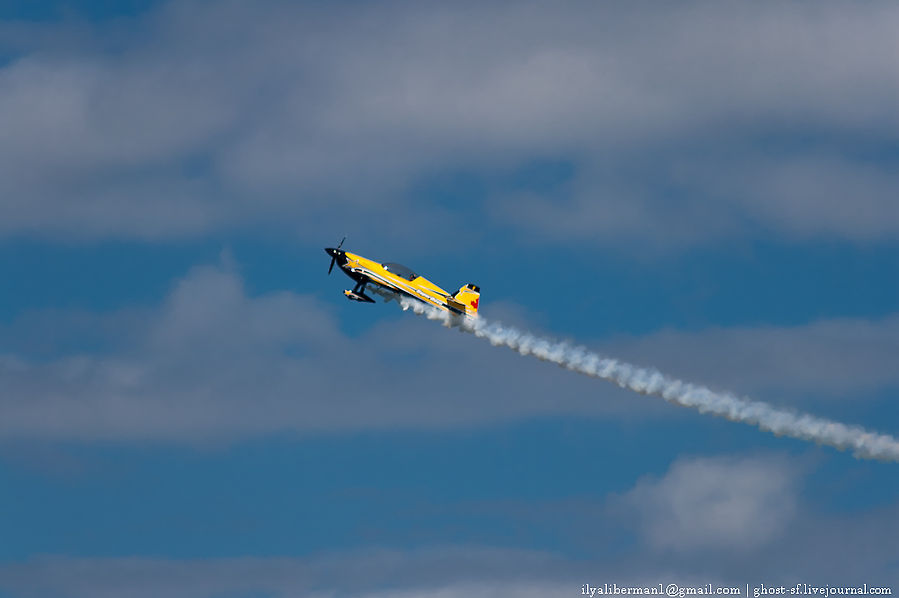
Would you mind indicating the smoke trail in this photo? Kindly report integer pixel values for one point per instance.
(647, 381)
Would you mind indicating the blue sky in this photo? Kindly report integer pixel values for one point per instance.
(191, 408)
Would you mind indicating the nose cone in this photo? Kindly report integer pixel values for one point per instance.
(337, 257)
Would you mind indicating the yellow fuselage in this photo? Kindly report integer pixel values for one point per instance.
(363, 269)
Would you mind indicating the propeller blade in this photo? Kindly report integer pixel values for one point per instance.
(334, 252)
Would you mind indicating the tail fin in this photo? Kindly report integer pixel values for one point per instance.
(469, 296)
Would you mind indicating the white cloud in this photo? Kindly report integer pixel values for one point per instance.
(212, 362)
(719, 503)
(835, 549)
(809, 194)
(436, 573)
(201, 116)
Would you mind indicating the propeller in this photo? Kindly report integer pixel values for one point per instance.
(334, 255)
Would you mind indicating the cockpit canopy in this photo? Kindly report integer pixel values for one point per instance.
(400, 270)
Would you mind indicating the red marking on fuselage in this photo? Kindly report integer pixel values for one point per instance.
(474, 303)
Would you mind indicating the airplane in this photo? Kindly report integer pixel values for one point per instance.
(392, 281)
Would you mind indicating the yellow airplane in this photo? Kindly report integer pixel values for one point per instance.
(393, 281)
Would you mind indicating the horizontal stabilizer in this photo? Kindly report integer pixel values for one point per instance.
(452, 303)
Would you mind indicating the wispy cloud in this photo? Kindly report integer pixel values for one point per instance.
(736, 504)
(197, 117)
(720, 520)
(435, 572)
(213, 361)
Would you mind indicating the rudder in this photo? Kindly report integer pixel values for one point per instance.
(469, 296)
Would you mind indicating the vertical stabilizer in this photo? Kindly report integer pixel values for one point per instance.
(469, 296)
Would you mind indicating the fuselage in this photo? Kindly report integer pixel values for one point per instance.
(394, 278)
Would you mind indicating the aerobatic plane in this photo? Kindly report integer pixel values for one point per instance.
(392, 281)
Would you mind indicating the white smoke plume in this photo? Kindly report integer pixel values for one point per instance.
(647, 381)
